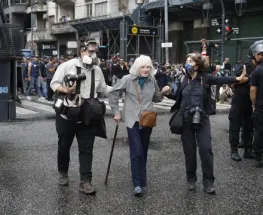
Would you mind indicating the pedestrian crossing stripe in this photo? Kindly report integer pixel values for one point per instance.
(23, 111)
(47, 106)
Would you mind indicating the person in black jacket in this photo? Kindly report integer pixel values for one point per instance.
(240, 114)
(192, 97)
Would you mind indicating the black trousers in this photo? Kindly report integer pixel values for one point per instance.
(240, 115)
(50, 92)
(201, 137)
(258, 138)
(66, 132)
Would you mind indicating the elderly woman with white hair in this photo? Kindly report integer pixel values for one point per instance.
(141, 90)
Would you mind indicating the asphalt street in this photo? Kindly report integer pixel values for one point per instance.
(28, 175)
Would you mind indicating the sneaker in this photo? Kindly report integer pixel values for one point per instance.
(29, 98)
(235, 156)
(86, 187)
(138, 191)
(210, 190)
(63, 179)
(41, 99)
(191, 186)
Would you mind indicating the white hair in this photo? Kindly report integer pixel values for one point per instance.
(143, 59)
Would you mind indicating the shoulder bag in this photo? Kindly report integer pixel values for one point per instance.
(147, 118)
(177, 119)
(93, 109)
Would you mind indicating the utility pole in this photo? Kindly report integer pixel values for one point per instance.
(223, 32)
(31, 42)
(166, 30)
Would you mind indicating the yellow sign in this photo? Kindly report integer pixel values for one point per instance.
(134, 30)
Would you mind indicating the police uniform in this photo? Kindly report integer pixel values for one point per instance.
(241, 113)
(257, 81)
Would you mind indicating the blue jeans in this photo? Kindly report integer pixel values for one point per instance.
(25, 86)
(139, 141)
(34, 81)
(43, 83)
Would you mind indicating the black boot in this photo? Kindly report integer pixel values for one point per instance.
(248, 154)
(235, 156)
(259, 161)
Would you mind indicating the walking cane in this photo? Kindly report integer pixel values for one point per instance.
(111, 153)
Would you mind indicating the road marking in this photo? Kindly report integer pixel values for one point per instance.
(23, 111)
(42, 107)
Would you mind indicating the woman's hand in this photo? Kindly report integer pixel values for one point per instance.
(117, 118)
(242, 79)
(166, 90)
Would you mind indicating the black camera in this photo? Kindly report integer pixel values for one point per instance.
(196, 120)
(70, 79)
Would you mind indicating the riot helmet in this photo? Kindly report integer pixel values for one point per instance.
(254, 49)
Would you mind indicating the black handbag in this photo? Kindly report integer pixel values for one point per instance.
(176, 122)
(93, 109)
(177, 119)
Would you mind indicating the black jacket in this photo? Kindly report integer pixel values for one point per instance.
(207, 80)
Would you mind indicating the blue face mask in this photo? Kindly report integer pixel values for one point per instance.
(189, 68)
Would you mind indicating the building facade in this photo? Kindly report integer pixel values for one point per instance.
(53, 31)
(187, 26)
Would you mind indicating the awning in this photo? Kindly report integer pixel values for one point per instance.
(84, 26)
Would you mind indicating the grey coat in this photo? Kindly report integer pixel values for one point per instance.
(132, 109)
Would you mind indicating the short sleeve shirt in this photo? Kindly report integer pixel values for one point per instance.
(257, 81)
(50, 74)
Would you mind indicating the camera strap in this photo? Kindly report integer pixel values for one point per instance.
(92, 86)
(78, 82)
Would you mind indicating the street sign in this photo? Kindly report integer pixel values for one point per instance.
(72, 44)
(142, 31)
(214, 22)
(218, 30)
(235, 30)
(167, 45)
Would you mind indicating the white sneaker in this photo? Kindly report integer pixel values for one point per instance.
(41, 99)
(29, 98)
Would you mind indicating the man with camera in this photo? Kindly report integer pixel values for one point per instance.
(77, 82)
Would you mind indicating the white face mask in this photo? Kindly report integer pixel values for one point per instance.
(87, 60)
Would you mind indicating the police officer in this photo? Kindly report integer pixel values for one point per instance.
(68, 129)
(256, 96)
(240, 114)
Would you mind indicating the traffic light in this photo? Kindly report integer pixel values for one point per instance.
(228, 32)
